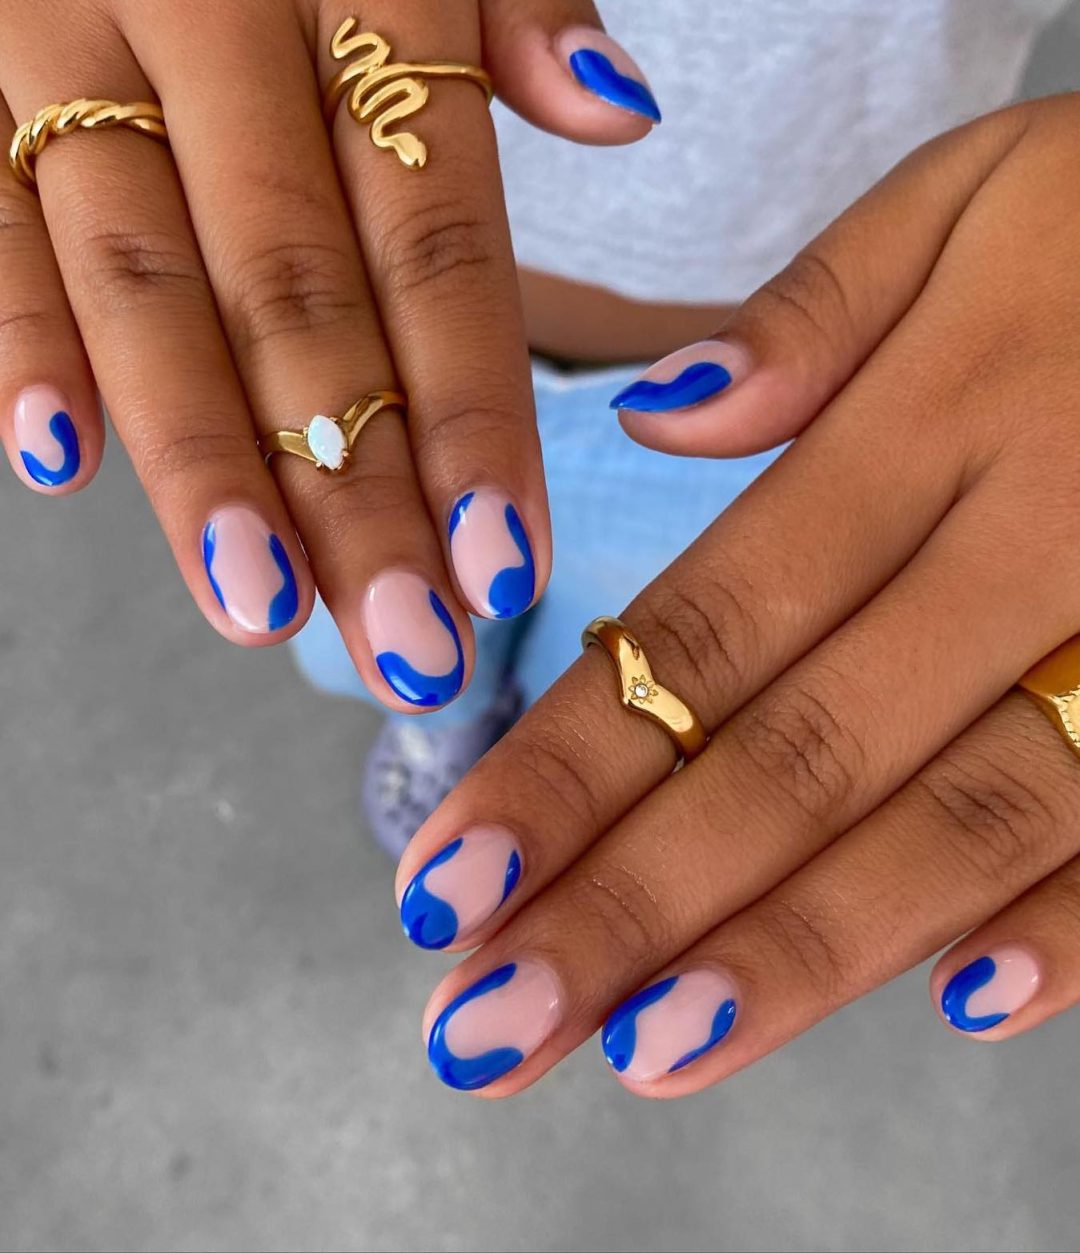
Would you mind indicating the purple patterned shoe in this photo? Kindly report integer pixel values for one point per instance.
(413, 764)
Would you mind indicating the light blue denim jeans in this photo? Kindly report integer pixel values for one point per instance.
(620, 513)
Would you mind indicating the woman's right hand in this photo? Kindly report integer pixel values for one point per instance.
(260, 271)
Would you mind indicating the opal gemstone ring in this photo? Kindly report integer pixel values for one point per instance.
(328, 441)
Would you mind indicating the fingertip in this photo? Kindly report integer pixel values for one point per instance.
(53, 445)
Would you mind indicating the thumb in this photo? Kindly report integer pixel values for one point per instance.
(800, 339)
(552, 62)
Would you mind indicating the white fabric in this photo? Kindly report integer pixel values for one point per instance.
(777, 114)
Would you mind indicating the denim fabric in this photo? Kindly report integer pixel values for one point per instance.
(620, 514)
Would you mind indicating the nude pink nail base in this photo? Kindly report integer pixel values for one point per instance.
(46, 436)
(461, 887)
(669, 1024)
(414, 640)
(491, 554)
(493, 1026)
(986, 991)
(249, 570)
(685, 379)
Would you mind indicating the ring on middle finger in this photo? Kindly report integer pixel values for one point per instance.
(327, 441)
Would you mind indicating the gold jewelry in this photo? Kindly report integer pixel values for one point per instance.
(328, 441)
(62, 119)
(640, 692)
(1054, 685)
(387, 93)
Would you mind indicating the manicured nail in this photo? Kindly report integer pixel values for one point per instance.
(461, 887)
(987, 991)
(249, 570)
(416, 644)
(601, 66)
(494, 1026)
(667, 1026)
(46, 436)
(687, 378)
(491, 554)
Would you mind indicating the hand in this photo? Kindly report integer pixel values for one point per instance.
(849, 631)
(260, 271)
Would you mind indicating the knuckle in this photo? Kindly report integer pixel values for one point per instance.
(809, 291)
(20, 221)
(713, 646)
(127, 269)
(289, 288)
(802, 747)
(554, 766)
(993, 814)
(434, 244)
(803, 938)
(616, 901)
(459, 426)
(180, 459)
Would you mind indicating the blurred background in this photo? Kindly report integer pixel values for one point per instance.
(209, 1019)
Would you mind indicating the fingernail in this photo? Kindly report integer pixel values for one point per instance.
(667, 1026)
(249, 570)
(491, 554)
(603, 67)
(686, 378)
(46, 436)
(416, 644)
(492, 1027)
(987, 991)
(461, 887)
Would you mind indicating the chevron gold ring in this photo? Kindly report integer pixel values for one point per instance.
(383, 92)
(639, 691)
(1054, 685)
(328, 441)
(64, 119)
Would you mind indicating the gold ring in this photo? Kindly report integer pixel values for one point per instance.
(327, 441)
(385, 92)
(62, 119)
(1054, 685)
(640, 692)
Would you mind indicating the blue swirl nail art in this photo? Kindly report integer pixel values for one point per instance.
(619, 1037)
(415, 687)
(285, 603)
(596, 73)
(62, 429)
(469, 1073)
(430, 921)
(512, 589)
(958, 991)
(696, 383)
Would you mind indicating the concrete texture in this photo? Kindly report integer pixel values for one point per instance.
(209, 1022)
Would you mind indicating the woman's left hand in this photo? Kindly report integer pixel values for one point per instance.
(849, 631)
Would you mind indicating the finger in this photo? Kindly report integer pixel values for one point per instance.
(305, 334)
(799, 338)
(1020, 968)
(553, 62)
(438, 251)
(51, 424)
(809, 757)
(133, 274)
(991, 816)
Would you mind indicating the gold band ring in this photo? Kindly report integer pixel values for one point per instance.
(640, 692)
(384, 93)
(62, 119)
(1054, 685)
(327, 441)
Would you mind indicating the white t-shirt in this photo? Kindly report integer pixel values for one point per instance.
(777, 114)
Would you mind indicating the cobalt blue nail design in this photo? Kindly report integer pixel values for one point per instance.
(249, 570)
(698, 382)
(415, 686)
(619, 1037)
(960, 988)
(491, 554)
(595, 73)
(469, 1073)
(62, 429)
(461, 887)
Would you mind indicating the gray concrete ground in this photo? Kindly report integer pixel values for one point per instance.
(209, 1022)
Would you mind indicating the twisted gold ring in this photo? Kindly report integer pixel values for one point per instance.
(640, 692)
(62, 119)
(383, 93)
(1054, 685)
(327, 441)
